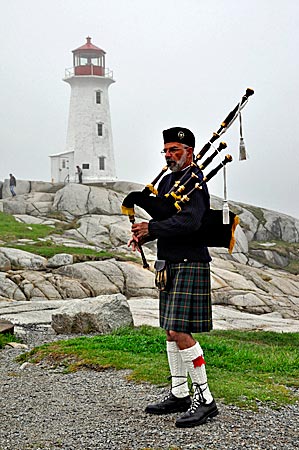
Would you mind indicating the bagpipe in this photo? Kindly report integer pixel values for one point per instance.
(218, 226)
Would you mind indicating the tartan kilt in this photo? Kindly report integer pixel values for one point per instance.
(186, 306)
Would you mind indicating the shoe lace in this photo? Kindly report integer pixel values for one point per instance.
(180, 384)
(198, 398)
(178, 376)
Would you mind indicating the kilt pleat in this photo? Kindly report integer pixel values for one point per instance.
(187, 306)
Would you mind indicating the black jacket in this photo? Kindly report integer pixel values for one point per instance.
(178, 236)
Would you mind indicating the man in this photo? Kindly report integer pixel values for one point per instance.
(185, 307)
(12, 184)
(79, 172)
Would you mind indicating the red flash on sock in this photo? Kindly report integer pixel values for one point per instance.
(198, 362)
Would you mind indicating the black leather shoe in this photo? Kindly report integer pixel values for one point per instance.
(197, 415)
(170, 404)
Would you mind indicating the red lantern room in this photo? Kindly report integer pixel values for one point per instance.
(89, 60)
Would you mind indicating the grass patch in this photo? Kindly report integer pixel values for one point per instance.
(289, 250)
(11, 230)
(5, 338)
(293, 267)
(61, 227)
(256, 211)
(49, 249)
(244, 368)
(282, 247)
(57, 215)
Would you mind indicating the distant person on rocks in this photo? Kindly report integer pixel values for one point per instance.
(12, 184)
(79, 172)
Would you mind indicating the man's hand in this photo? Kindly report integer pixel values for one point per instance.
(133, 242)
(140, 230)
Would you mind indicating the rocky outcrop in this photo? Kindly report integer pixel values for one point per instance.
(88, 279)
(101, 314)
(110, 277)
(145, 311)
(73, 200)
(251, 289)
(9, 290)
(104, 231)
(77, 200)
(254, 290)
(260, 224)
(35, 204)
(6, 327)
(26, 187)
(11, 258)
(90, 216)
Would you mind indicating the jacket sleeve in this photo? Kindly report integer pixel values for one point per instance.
(187, 220)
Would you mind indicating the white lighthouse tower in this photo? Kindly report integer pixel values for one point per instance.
(89, 142)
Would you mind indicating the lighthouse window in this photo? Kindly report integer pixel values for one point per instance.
(98, 96)
(102, 162)
(85, 166)
(63, 164)
(100, 129)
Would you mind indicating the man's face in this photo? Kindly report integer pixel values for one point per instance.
(177, 155)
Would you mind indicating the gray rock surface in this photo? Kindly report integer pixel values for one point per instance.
(281, 227)
(111, 277)
(101, 314)
(6, 327)
(22, 187)
(26, 187)
(61, 259)
(239, 281)
(19, 259)
(255, 290)
(77, 200)
(145, 311)
(9, 289)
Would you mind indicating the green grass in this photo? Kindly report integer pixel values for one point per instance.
(244, 368)
(282, 247)
(49, 249)
(5, 338)
(256, 211)
(11, 230)
(285, 249)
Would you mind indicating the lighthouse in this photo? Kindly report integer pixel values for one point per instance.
(89, 143)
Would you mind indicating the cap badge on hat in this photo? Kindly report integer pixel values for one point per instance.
(181, 135)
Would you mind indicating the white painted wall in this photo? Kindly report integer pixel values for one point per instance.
(82, 133)
(63, 169)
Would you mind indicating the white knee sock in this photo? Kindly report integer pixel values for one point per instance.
(193, 359)
(179, 383)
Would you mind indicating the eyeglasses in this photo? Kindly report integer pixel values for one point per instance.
(172, 150)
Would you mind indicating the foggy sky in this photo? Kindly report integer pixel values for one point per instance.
(175, 63)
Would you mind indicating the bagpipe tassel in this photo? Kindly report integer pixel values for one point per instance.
(225, 208)
(242, 148)
(233, 239)
(225, 213)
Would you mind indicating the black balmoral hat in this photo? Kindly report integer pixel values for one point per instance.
(179, 134)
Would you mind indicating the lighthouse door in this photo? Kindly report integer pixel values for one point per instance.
(64, 170)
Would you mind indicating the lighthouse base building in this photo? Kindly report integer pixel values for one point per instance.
(89, 143)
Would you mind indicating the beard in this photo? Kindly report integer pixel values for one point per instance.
(176, 166)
